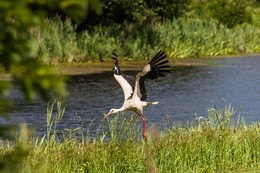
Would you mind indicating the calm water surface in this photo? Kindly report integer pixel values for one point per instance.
(186, 91)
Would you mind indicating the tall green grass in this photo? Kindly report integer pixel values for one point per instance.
(217, 142)
(185, 37)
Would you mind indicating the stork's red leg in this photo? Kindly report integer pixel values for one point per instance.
(144, 127)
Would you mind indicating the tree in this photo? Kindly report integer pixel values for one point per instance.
(226, 12)
(138, 11)
(230, 12)
(168, 9)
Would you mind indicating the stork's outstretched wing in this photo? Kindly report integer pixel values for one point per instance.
(157, 67)
(126, 82)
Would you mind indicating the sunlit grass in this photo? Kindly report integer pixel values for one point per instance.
(59, 42)
(217, 142)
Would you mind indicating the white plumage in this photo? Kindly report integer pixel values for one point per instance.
(134, 88)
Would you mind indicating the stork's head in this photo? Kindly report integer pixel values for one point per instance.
(112, 111)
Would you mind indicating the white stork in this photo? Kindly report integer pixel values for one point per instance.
(134, 89)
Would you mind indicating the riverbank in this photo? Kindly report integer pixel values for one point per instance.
(99, 67)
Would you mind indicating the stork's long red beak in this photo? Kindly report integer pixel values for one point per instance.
(107, 115)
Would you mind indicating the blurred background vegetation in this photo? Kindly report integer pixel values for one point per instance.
(134, 29)
(18, 57)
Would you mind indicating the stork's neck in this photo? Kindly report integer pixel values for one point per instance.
(117, 70)
(119, 110)
(123, 108)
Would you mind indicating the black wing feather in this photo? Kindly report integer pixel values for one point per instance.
(158, 55)
(116, 69)
(163, 63)
(142, 88)
(157, 59)
(159, 67)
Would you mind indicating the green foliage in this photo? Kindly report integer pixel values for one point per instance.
(226, 12)
(53, 119)
(124, 10)
(145, 12)
(213, 143)
(35, 78)
(13, 153)
(209, 150)
(4, 91)
(58, 42)
(18, 57)
(180, 38)
(19, 48)
(140, 11)
(124, 128)
(139, 33)
(230, 12)
(169, 9)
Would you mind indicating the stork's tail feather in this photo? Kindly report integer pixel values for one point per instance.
(151, 103)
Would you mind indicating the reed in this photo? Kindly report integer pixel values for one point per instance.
(185, 37)
(53, 117)
(217, 142)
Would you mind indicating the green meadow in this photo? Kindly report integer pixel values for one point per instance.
(217, 142)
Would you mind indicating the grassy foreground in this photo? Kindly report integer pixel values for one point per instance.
(209, 144)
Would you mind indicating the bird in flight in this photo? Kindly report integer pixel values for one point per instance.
(135, 94)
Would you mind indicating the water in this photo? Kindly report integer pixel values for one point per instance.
(186, 91)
